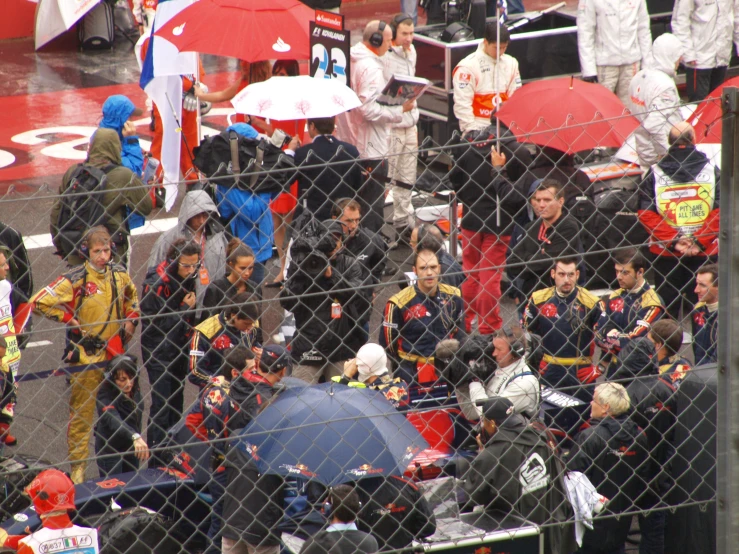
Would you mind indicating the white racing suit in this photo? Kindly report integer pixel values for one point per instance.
(706, 30)
(70, 540)
(143, 13)
(476, 82)
(403, 159)
(654, 101)
(613, 40)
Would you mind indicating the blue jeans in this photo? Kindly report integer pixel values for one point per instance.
(652, 530)
(411, 8)
(216, 488)
(258, 274)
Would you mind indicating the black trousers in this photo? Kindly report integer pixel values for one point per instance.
(372, 194)
(699, 82)
(167, 396)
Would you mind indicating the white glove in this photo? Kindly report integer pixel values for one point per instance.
(190, 102)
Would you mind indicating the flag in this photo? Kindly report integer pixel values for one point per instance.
(161, 80)
(70, 542)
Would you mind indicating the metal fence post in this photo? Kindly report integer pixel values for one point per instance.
(727, 492)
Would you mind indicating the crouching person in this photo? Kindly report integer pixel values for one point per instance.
(118, 443)
(517, 473)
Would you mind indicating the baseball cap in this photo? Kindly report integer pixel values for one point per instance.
(497, 409)
(274, 358)
(119, 103)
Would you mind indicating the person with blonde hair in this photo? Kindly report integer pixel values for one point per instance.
(614, 454)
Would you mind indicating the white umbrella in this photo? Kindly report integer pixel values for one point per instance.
(53, 17)
(291, 98)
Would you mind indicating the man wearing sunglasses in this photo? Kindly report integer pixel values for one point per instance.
(168, 305)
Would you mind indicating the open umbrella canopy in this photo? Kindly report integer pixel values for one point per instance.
(301, 97)
(567, 114)
(250, 30)
(332, 433)
(708, 115)
(54, 17)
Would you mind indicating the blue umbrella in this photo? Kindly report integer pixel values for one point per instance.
(332, 433)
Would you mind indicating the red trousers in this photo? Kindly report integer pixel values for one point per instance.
(483, 261)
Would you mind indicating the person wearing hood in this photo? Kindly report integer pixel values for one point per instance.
(483, 179)
(369, 369)
(118, 444)
(517, 472)
(117, 113)
(124, 192)
(369, 126)
(654, 409)
(168, 302)
(484, 79)
(683, 228)
(197, 222)
(705, 30)
(613, 452)
(654, 101)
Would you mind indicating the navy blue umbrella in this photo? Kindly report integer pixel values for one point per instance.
(332, 433)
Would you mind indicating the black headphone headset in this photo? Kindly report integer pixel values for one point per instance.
(518, 345)
(84, 249)
(397, 20)
(125, 362)
(376, 39)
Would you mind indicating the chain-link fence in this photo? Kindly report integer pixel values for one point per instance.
(515, 352)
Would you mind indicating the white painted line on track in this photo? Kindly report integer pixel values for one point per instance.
(38, 343)
(34, 242)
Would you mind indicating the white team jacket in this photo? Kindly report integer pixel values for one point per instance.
(654, 101)
(706, 29)
(612, 32)
(369, 126)
(475, 85)
(398, 61)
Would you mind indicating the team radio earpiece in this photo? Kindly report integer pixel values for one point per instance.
(84, 248)
(397, 20)
(376, 39)
(518, 345)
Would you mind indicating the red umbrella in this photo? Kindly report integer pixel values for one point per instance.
(250, 30)
(567, 114)
(706, 120)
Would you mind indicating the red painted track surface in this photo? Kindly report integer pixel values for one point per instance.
(50, 97)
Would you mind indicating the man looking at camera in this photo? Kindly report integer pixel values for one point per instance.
(419, 317)
(484, 80)
(98, 302)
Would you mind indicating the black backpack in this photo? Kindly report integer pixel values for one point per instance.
(259, 164)
(81, 208)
